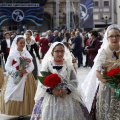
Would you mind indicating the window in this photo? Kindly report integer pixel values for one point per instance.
(96, 3)
(106, 3)
(95, 17)
(95, 10)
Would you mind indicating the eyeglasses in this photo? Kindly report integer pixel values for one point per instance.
(114, 36)
(59, 51)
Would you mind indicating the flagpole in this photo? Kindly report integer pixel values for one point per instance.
(68, 14)
(57, 13)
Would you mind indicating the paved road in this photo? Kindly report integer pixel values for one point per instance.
(81, 73)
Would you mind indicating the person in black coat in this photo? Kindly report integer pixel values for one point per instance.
(77, 48)
(5, 45)
(56, 38)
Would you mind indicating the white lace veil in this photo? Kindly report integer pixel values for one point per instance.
(105, 41)
(48, 55)
(14, 45)
(91, 82)
(32, 37)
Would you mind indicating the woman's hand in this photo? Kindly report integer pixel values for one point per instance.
(100, 76)
(56, 92)
(74, 60)
(59, 92)
(28, 60)
(63, 92)
(103, 81)
(22, 72)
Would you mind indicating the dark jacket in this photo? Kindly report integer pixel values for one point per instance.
(4, 48)
(56, 39)
(77, 43)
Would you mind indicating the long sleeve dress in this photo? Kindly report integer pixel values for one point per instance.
(32, 47)
(68, 107)
(107, 106)
(18, 99)
(1, 73)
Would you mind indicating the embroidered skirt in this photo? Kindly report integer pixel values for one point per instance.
(56, 108)
(20, 108)
(1, 77)
(107, 106)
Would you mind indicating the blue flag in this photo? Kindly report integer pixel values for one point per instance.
(21, 11)
(86, 14)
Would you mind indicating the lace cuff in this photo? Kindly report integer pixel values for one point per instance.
(49, 90)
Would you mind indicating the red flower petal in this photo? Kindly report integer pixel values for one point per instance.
(113, 72)
(52, 80)
(17, 68)
(13, 62)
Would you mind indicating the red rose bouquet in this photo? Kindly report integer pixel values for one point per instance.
(48, 79)
(113, 79)
(113, 76)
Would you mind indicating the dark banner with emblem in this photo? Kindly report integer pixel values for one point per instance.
(86, 14)
(19, 11)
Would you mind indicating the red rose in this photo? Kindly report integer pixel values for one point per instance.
(13, 62)
(113, 72)
(17, 68)
(52, 80)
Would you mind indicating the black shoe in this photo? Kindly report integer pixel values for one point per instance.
(21, 118)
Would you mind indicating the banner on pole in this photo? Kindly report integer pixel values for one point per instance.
(22, 10)
(86, 14)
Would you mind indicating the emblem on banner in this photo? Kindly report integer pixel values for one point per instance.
(18, 15)
(83, 12)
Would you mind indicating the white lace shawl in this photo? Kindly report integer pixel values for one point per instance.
(13, 91)
(68, 71)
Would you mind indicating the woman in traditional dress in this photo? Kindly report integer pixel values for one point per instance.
(1, 73)
(107, 105)
(62, 102)
(17, 95)
(32, 47)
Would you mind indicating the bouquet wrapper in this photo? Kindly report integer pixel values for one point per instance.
(16, 77)
(117, 89)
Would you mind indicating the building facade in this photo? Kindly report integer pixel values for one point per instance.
(55, 14)
(59, 14)
(104, 13)
(118, 11)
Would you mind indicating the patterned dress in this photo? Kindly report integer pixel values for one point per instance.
(68, 107)
(18, 99)
(107, 106)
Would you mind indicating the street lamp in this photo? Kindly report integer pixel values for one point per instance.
(106, 19)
